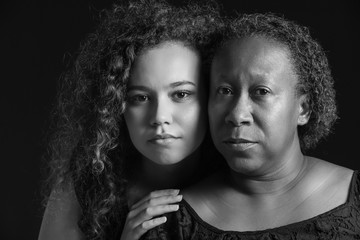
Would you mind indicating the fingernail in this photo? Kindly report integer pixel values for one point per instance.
(176, 191)
(163, 219)
(179, 197)
(175, 207)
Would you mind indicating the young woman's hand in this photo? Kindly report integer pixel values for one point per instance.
(145, 214)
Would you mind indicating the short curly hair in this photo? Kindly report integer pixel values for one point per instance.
(310, 63)
(90, 143)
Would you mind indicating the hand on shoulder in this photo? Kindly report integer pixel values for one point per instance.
(146, 213)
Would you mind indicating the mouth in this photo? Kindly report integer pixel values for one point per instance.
(163, 139)
(239, 144)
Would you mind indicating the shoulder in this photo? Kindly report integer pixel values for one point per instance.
(331, 181)
(202, 197)
(331, 175)
(61, 216)
(331, 172)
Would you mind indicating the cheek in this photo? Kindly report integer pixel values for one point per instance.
(193, 122)
(278, 124)
(192, 116)
(134, 118)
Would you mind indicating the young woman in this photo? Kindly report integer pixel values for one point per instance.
(131, 120)
(271, 100)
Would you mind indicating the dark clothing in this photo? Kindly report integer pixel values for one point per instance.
(342, 222)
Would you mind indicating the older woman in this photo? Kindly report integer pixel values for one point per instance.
(271, 100)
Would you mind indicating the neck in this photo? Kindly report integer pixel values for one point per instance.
(275, 182)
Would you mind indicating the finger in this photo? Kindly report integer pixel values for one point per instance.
(164, 200)
(152, 212)
(159, 210)
(156, 194)
(147, 225)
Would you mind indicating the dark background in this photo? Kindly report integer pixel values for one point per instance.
(36, 40)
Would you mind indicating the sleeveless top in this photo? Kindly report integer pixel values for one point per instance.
(342, 222)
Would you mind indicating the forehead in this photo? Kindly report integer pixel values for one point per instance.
(257, 54)
(252, 48)
(167, 47)
(176, 52)
(167, 62)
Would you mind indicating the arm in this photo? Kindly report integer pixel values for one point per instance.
(60, 218)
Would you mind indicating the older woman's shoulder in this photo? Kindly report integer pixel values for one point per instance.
(329, 170)
(334, 181)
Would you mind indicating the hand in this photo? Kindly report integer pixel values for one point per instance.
(145, 214)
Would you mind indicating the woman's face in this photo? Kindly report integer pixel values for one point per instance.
(166, 103)
(253, 108)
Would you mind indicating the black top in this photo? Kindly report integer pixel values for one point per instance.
(342, 222)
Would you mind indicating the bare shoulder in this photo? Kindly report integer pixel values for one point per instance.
(61, 216)
(332, 172)
(334, 180)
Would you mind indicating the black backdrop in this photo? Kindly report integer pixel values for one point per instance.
(38, 36)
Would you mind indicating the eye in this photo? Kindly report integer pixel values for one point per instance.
(261, 92)
(181, 95)
(224, 91)
(138, 99)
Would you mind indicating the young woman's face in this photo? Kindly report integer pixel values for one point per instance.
(166, 103)
(253, 108)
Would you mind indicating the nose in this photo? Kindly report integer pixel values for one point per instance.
(240, 113)
(161, 112)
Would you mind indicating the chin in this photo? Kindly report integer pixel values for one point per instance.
(166, 160)
(244, 166)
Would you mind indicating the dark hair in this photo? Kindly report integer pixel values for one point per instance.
(309, 61)
(90, 142)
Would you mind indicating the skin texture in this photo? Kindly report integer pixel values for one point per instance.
(253, 108)
(165, 98)
(309, 61)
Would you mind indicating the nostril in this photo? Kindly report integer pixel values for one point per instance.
(239, 117)
(156, 123)
(161, 120)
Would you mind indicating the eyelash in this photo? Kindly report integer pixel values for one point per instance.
(186, 92)
(221, 90)
(263, 90)
(136, 99)
(227, 91)
(142, 98)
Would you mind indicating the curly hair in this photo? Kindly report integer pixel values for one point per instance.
(90, 146)
(309, 61)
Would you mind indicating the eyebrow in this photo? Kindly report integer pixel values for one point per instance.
(136, 87)
(172, 85)
(180, 83)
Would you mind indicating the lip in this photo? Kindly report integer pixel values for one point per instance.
(163, 139)
(239, 144)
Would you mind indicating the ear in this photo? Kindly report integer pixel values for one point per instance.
(304, 110)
